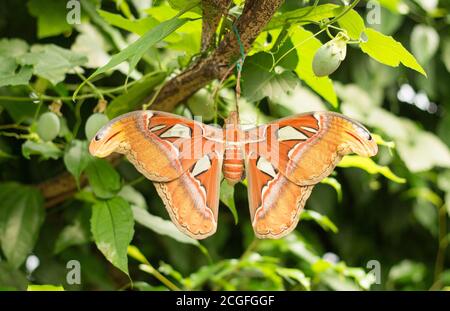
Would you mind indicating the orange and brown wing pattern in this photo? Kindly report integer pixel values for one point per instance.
(162, 146)
(177, 155)
(275, 202)
(192, 200)
(287, 157)
(307, 147)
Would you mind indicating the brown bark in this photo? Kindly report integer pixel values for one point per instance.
(213, 10)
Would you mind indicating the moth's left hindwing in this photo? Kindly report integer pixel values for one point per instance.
(176, 155)
(192, 200)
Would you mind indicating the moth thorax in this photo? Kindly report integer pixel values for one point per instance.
(233, 164)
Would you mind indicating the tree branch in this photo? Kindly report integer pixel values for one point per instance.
(62, 187)
(213, 10)
(255, 16)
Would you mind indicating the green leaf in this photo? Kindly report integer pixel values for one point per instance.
(335, 184)
(10, 50)
(370, 166)
(386, 50)
(52, 62)
(415, 151)
(134, 197)
(76, 233)
(227, 198)
(259, 82)
(303, 15)
(11, 278)
(352, 22)
(183, 4)
(168, 270)
(200, 104)
(407, 271)
(90, 9)
(381, 142)
(76, 158)
(443, 180)
(428, 6)
(424, 194)
(426, 215)
(307, 45)
(20, 113)
(140, 26)
(136, 50)
(321, 265)
(424, 42)
(135, 96)
(92, 43)
(45, 288)
(161, 226)
(112, 228)
(21, 217)
(46, 150)
(51, 16)
(86, 195)
(143, 286)
(320, 219)
(9, 75)
(446, 53)
(395, 6)
(13, 47)
(103, 178)
(294, 274)
(71, 235)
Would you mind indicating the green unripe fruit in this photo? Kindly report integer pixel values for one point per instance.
(183, 111)
(330, 55)
(94, 123)
(48, 126)
(200, 104)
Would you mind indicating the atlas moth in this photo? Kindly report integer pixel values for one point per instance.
(186, 159)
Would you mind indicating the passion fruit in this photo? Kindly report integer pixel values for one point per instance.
(329, 56)
(48, 126)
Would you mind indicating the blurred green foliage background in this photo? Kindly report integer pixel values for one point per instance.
(373, 224)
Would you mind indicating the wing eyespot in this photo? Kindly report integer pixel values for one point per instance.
(98, 137)
(364, 133)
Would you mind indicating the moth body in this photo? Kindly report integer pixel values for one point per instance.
(233, 157)
(233, 163)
